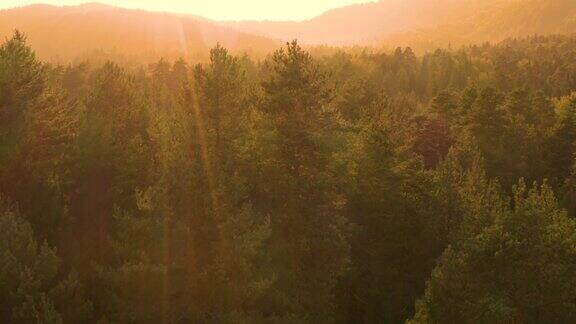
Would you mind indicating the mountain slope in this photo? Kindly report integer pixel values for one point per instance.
(64, 33)
(511, 19)
(92, 30)
(425, 23)
(368, 23)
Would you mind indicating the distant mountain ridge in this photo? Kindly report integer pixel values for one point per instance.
(516, 18)
(425, 23)
(69, 32)
(368, 23)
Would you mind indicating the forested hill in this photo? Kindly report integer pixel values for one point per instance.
(515, 18)
(349, 188)
(97, 31)
(61, 34)
(368, 23)
(426, 24)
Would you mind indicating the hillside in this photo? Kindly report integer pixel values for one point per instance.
(92, 30)
(425, 24)
(104, 32)
(516, 18)
(368, 23)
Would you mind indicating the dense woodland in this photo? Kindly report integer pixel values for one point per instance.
(355, 187)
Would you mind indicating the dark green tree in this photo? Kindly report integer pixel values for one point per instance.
(483, 277)
(32, 285)
(310, 248)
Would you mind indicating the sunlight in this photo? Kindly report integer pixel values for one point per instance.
(213, 9)
(333, 161)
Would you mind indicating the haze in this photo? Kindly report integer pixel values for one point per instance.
(393, 161)
(217, 9)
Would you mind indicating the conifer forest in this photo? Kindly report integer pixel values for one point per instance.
(300, 184)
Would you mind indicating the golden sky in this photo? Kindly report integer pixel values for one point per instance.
(217, 9)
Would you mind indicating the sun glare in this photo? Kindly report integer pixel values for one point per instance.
(218, 9)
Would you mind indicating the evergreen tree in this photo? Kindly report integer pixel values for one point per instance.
(446, 106)
(220, 88)
(21, 78)
(561, 148)
(32, 286)
(483, 277)
(398, 239)
(309, 233)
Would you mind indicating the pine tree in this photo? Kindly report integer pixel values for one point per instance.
(483, 278)
(30, 285)
(446, 106)
(220, 86)
(309, 233)
(560, 147)
(395, 214)
(21, 77)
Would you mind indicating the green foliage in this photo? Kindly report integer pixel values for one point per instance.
(30, 283)
(297, 189)
(21, 77)
(483, 278)
(21, 81)
(309, 242)
(398, 237)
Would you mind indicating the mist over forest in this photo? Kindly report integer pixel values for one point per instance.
(389, 162)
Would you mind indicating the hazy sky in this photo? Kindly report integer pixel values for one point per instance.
(217, 9)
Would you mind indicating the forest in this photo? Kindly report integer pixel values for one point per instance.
(345, 187)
